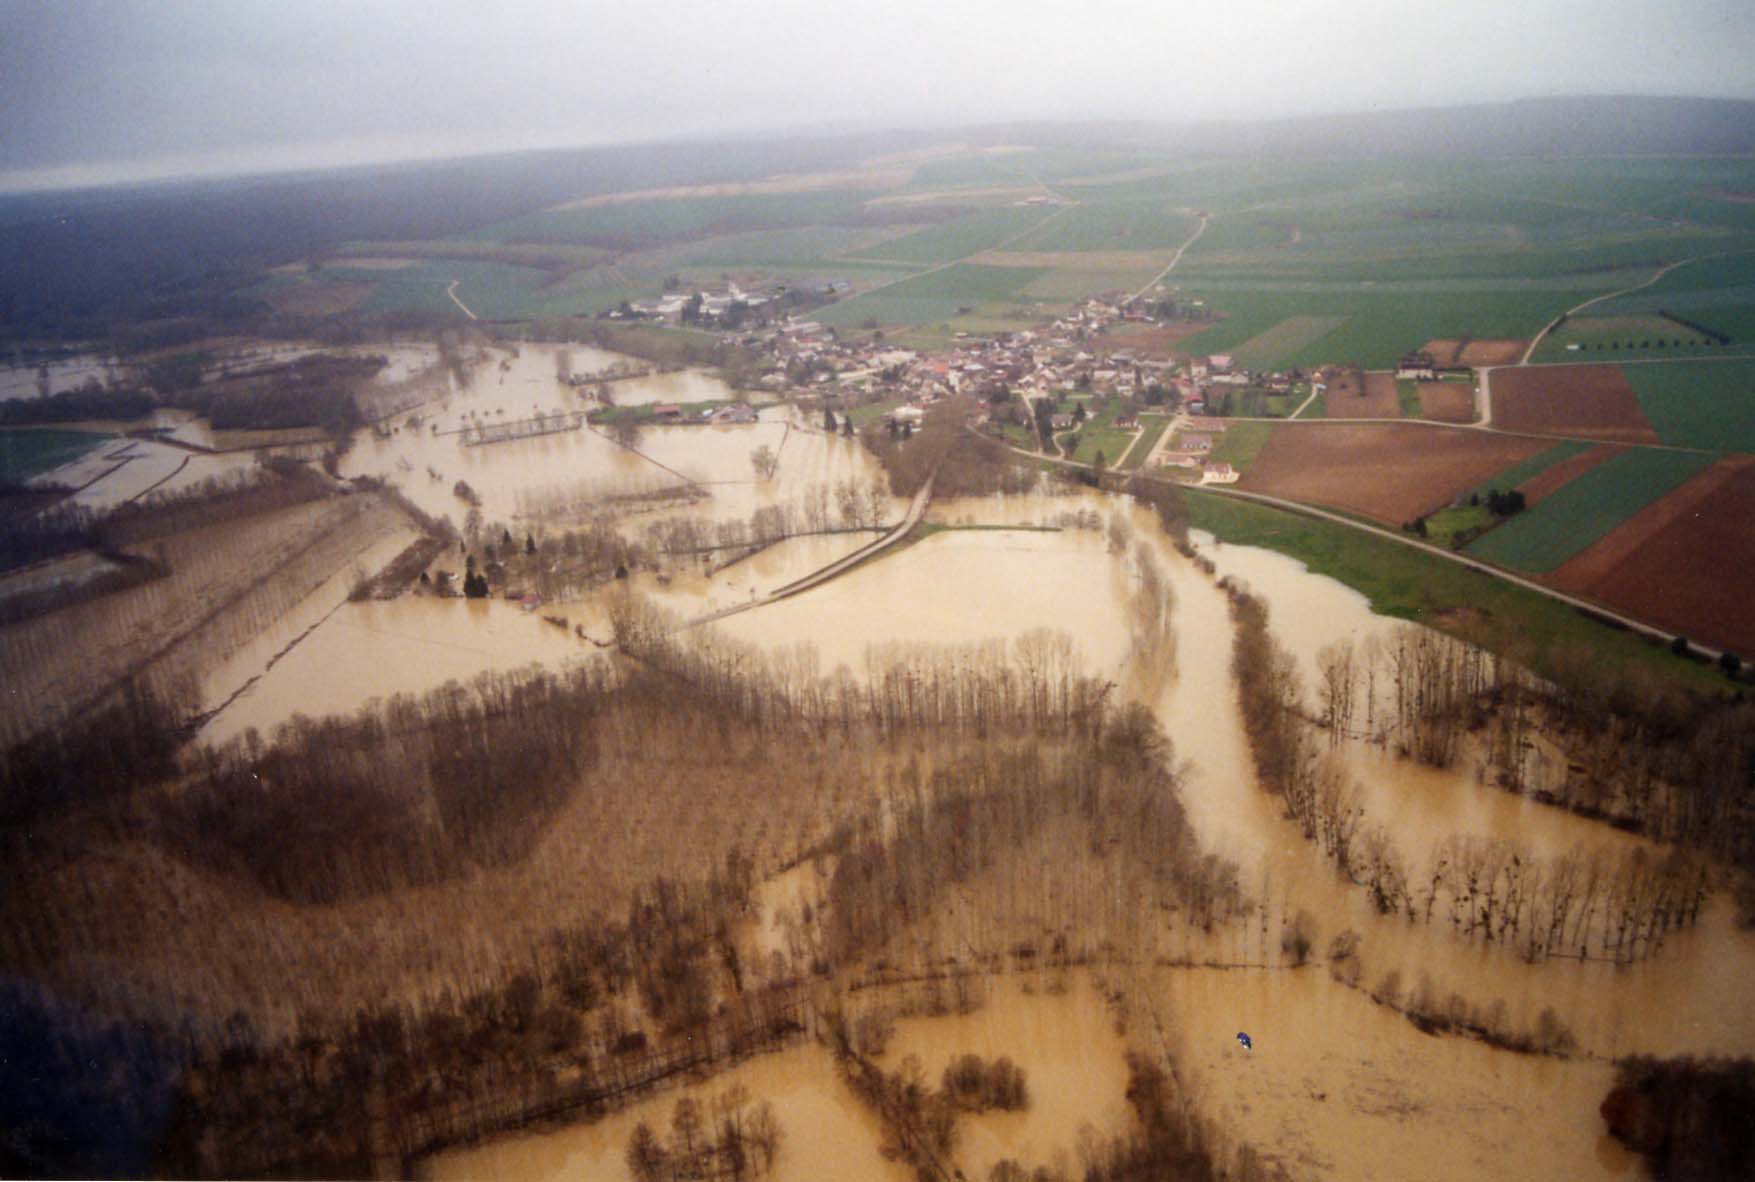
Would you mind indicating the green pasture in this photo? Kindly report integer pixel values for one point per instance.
(1098, 434)
(1128, 227)
(1406, 582)
(1240, 443)
(1705, 404)
(1543, 537)
(1070, 284)
(974, 232)
(1152, 428)
(493, 291)
(649, 222)
(1265, 349)
(1377, 326)
(1534, 466)
(934, 296)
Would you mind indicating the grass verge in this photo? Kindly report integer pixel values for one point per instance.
(1406, 583)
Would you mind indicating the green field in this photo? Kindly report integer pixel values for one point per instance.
(24, 454)
(493, 291)
(1240, 444)
(1542, 538)
(1097, 435)
(1066, 285)
(1152, 428)
(935, 296)
(970, 234)
(1265, 350)
(1707, 404)
(1529, 469)
(1111, 227)
(646, 223)
(1630, 337)
(1378, 325)
(1407, 583)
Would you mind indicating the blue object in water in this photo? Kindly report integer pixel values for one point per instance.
(1244, 1039)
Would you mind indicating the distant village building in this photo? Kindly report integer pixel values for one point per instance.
(1417, 367)
(1218, 474)
(1219, 362)
(1060, 422)
(1197, 443)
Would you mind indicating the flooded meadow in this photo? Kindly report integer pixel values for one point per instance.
(1350, 1076)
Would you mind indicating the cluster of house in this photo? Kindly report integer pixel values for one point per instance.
(731, 412)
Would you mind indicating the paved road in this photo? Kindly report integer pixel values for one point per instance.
(1596, 609)
(916, 510)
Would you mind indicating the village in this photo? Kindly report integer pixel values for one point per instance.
(1042, 387)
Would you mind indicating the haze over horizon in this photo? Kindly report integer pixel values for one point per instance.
(108, 93)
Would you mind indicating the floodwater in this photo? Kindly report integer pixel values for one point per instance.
(126, 469)
(24, 381)
(959, 587)
(373, 649)
(1064, 1037)
(825, 1132)
(424, 456)
(1337, 1087)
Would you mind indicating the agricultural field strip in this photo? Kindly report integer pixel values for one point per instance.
(1526, 470)
(1588, 508)
(1486, 568)
(961, 258)
(1710, 404)
(1536, 340)
(1557, 437)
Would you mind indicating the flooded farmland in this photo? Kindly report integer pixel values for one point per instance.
(1352, 1076)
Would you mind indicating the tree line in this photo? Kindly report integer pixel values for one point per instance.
(1618, 906)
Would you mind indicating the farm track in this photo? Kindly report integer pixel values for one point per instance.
(452, 292)
(1577, 308)
(1177, 258)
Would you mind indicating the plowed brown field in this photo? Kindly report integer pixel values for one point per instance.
(1390, 472)
(1448, 402)
(1345, 399)
(1451, 351)
(1593, 401)
(1544, 483)
(1682, 562)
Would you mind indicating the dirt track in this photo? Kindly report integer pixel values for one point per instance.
(1390, 472)
(1652, 566)
(1594, 401)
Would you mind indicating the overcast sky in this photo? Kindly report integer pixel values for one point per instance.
(94, 91)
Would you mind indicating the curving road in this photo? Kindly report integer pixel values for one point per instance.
(916, 510)
(1575, 601)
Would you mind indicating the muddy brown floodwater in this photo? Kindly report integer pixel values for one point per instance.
(1339, 1086)
(1064, 1037)
(423, 455)
(360, 651)
(825, 1132)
